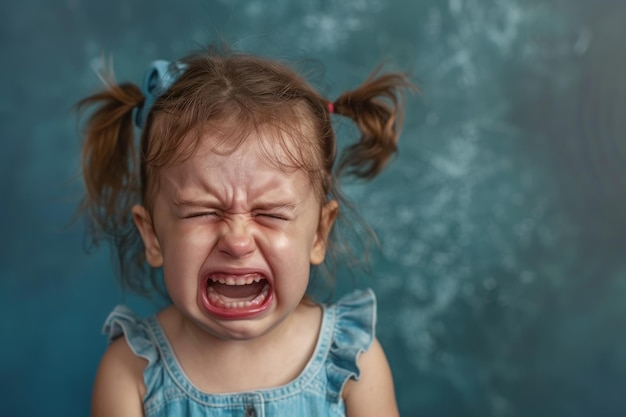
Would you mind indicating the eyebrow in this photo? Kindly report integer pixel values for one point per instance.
(274, 205)
(260, 205)
(191, 202)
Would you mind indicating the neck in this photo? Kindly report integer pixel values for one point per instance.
(217, 365)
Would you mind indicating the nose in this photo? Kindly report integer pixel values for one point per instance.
(236, 240)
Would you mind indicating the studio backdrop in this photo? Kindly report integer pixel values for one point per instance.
(501, 273)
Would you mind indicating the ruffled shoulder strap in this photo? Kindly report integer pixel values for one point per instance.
(354, 331)
(124, 322)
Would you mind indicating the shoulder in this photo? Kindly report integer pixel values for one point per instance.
(119, 387)
(367, 390)
(373, 393)
(353, 319)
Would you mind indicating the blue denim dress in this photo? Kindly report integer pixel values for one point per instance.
(347, 330)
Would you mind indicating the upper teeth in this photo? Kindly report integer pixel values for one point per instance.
(230, 280)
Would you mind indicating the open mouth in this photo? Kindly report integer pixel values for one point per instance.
(236, 296)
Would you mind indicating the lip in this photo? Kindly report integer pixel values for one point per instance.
(234, 313)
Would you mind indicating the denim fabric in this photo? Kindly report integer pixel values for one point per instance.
(347, 330)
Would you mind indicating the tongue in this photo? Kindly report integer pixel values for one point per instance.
(239, 291)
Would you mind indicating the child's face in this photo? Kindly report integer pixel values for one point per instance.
(235, 236)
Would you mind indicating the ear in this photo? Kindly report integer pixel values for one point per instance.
(327, 219)
(143, 222)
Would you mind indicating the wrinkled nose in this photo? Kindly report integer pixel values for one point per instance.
(236, 240)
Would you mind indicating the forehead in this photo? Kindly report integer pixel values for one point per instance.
(284, 146)
(286, 141)
(259, 158)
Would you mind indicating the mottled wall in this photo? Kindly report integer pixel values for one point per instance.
(502, 274)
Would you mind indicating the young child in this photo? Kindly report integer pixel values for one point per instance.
(233, 192)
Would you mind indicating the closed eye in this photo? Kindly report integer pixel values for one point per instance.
(201, 214)
(272, 216)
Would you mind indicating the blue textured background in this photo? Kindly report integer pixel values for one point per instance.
(502, 278)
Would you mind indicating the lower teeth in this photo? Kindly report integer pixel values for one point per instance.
(216, 299)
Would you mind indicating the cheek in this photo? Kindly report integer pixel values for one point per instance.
(282, 241)
(181, 265)
(295, 238)
(184, 252)
(183, 240)
(290, 248)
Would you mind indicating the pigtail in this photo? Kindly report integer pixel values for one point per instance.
(109, 164)
(377, 108)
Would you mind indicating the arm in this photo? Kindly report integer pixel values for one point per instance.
(373, 394)
(119, 388)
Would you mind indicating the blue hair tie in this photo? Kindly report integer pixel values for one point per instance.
(158, 79)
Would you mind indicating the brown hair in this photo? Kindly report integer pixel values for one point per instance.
(232, 94)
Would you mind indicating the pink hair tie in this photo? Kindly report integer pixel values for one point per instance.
(331, 107)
